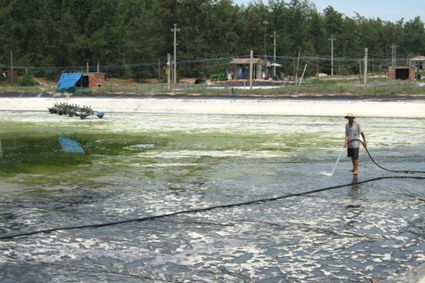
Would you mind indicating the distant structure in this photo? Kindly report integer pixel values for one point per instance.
(401, 73)
(241, 69)
(80, 82)
(409, 72)
(418, 62)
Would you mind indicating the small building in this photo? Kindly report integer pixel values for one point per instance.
(80, 82)
(418, 62)
(401, 73)
(241, 68)
(96, 80)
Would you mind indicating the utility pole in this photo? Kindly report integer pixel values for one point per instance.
(332, 54)
(393, 54)
(274, 51)
(175, 30)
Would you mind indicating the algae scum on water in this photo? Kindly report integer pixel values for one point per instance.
(228, 198)
(34, 157)
(55, 154)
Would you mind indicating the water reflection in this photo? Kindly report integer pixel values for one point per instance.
(69, 145)
(50, 153)
(355, 186)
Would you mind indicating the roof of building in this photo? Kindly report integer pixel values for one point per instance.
(243, 61)
(418, 58)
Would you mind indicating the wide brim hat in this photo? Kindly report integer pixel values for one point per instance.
(349, 115)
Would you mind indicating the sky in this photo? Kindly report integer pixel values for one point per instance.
(386, 10)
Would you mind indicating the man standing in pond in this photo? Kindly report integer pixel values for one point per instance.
(352, 135)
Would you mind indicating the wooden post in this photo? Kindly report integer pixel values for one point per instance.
(168, 70)
(332, 54)
(365, 69)
(250, 68)
(298, 63)
(11, 67)
(302, 76)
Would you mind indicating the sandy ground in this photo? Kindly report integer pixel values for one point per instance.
(308, 107)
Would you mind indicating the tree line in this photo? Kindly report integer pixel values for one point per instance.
(132, 38)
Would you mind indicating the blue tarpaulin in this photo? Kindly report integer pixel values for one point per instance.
(67, 82)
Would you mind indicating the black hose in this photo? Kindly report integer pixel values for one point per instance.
(142, 219)
(147, 218)
(394, 171)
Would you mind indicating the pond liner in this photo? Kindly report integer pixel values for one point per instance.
(196, 210)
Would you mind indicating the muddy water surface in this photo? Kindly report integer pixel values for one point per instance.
(215, 197)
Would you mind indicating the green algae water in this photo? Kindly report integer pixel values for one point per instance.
(205, 166)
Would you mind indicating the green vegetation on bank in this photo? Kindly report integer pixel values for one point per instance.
(131, 39)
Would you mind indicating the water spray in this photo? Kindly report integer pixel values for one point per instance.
(334, 168)
(371, 158)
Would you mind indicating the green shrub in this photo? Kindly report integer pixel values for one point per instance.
(26, 79)
(218, 77)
